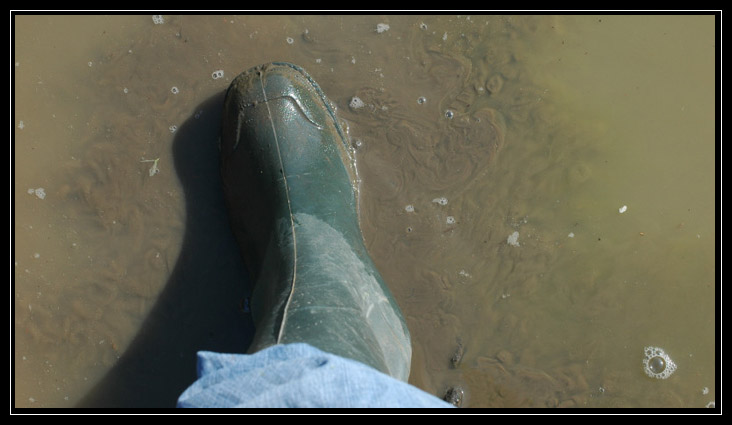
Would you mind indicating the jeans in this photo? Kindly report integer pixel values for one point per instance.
(296, 375)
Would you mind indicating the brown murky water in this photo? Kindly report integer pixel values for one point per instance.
(496, 154)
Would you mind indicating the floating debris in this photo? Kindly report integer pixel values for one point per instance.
(154, 169)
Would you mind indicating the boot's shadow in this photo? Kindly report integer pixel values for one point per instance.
(199, 308)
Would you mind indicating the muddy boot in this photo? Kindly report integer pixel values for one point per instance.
(291, 188)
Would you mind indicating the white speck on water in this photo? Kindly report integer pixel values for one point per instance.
(409, 208)
(158, 19)
(441, 200)
(318, 60)
(623, 209)
(444, 36)
(450, 219)
(172, 128)
(463, 273)
(174, 90)
(290, 40)
(36, 255)
(382, 28)
(513, 239)
(353, 59)
(219, 73)
(570, 235)
(125, 91)
(356, 103)
(90, 64)
(449, 114)
(705, 390)
(421, 100)
(21, 125)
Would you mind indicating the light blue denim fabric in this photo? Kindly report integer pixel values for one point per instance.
(297, 375)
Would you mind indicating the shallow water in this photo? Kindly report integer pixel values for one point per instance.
(554, 124)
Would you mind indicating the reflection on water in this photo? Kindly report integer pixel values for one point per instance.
(495, 154)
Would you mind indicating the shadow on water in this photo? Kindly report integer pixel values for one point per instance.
(199, 308)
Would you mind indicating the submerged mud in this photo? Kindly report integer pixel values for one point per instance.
(490, 189)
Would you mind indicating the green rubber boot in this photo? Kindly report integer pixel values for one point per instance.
(291, 188)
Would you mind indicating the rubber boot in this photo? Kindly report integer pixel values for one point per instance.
(291, 187)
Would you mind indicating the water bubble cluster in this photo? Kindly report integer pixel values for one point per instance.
(513, 239)
(657, 364)
(40, 192)
(382, 27)
(217, 74)
(157, 19)
(356, 103)
(441, 200)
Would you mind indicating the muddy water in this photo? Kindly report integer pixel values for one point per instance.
(495, 154)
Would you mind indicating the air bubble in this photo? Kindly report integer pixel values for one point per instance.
(217, 74)
(174, 90)
(441, 200)
(449, 114)
(423, 26)
(657, 364)
(421, 100)
(158, 19)
(40, 192)
(290, 40)
(409, 208)
(125, 91)
(173, 128)
(356, 103)
(513, 239)
(450, 219)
